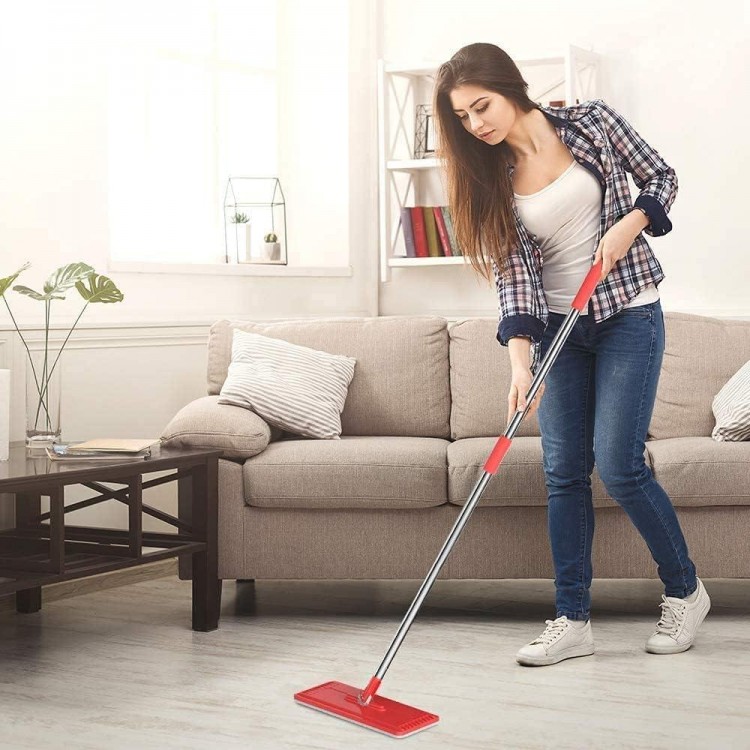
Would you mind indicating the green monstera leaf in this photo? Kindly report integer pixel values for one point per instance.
(61, 280)
(67, 277)
(35, 295)
(8, 280)
(101, 289)
(90, 285)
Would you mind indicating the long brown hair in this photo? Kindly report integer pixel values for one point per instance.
(480, 192)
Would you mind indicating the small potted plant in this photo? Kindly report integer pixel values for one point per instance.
(271, 247)
(242, 232)
(43, 386)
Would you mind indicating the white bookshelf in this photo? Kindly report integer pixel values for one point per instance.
(406, 181)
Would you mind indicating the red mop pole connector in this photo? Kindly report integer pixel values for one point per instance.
(369, 691)
(498, 453)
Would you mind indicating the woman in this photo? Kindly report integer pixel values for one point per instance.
(543, 192)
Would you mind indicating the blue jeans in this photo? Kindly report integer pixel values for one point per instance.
(598, 399)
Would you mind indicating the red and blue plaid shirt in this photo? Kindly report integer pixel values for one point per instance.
(600, 139)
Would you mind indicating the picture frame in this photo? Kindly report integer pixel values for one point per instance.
(424, 132)
(429, 146)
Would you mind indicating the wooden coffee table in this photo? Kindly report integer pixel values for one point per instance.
(36, 553)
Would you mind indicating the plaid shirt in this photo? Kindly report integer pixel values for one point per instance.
(601, 140)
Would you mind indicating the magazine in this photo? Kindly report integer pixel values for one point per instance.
(113, 445)
(64, 452)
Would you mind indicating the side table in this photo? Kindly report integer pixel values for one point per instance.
(43, 548)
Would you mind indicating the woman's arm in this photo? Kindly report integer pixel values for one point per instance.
(521, 378)
(656, 180)
(519, 348)
(519, 295)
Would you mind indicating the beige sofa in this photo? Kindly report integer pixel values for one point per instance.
(423, 412)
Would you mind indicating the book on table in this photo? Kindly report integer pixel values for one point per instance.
(60, 454)
(103, 448)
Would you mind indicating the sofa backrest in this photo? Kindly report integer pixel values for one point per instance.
(401, 379)
(480, 379)
(700, 355)
(424, 377)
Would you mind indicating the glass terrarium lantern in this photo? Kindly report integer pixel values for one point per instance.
(255, 221)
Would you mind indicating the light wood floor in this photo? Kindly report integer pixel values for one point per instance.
(122, 668)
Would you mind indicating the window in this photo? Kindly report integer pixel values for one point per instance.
(192, 100)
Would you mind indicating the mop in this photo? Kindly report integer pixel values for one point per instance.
(387, 716)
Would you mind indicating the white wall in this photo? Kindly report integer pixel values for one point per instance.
(677, 70)
(53, 181)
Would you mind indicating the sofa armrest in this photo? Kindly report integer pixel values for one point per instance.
(205, 423)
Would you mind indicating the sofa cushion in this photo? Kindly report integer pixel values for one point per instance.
(731, 407)
(204, 423)
(401, 382)
(696, 471)
(295, 388)
(520, 479)
(480, 379)
(354, 472)
(700, 355)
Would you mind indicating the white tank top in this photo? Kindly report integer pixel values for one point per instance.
(564, 217)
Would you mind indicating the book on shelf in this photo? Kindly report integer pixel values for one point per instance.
(431, 231)
(408, 232)
(451, 233)
(419, 233)
(445, 243)
(428, 232)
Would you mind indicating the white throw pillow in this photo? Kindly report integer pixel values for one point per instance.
(293, 387)
(731, 407)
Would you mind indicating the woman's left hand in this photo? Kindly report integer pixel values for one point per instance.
(615, 244)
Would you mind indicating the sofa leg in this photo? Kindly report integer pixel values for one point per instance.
(29, 600)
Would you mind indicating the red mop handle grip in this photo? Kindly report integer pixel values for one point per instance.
(588, 286)
(498, 453)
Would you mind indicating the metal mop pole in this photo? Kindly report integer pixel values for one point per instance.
(490, 468)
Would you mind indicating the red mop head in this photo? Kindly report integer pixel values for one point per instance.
(381, 714)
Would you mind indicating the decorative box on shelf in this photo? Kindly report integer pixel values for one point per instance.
(255, 221)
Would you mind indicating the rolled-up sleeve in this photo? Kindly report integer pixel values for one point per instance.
(518, 301)
(656, 180)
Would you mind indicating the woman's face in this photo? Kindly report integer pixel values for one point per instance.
(483, 112)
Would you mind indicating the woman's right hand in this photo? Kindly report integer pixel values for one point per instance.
(519, 386)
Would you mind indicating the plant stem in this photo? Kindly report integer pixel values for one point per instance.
(31, 361)
(28, 351)
(48, 377)
(43, 396)
(66, 338)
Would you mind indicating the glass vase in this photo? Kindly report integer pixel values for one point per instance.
(43, 396)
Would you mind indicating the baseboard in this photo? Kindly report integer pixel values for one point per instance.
(100, 582)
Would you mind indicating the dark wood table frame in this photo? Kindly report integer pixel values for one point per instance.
(43, 549)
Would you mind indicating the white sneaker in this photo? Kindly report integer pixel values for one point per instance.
(560, 640)
(679, 623)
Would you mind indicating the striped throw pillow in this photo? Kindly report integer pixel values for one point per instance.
(731, 407)
(298, 389)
